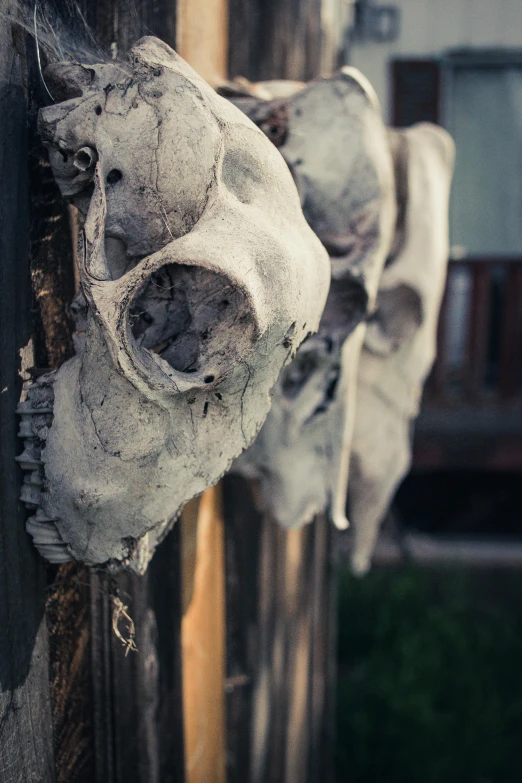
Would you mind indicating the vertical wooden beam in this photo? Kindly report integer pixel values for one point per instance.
(282, 672)
(118, 24)
(323, 672)
(299, 586)
(202, 37)
(26, 740)
(203, 645)
(436, 385)
(510, 369)
(284, 39)
(67, 605)
(478, 325)
(138, 709)
(136, 695)
(245, 647)
(202, 40)
(244, 42)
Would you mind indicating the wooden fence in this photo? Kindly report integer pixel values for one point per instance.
(472, 412)
(491, 306)
(233, 676)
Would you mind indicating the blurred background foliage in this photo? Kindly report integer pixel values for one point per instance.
(430, 688)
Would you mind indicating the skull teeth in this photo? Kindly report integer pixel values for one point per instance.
(36, 417)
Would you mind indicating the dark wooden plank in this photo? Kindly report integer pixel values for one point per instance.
(165, 592)
(290, 44)
(268, 696)
(325, 660)
(138, 702)
(67, 607)
(279, 39)
(134, 704)
(68, 621)
(322, 619)
(26, 748)
(282, 654)
(511, 333)
(436, 384)
(118, 24)
(478, 328)
(272, 589)
(243, 43)
(242, 547)
(101, 678)
(138, 733)
(281, 632)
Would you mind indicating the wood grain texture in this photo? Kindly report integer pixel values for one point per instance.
(68, 621)
(244, 643)
(202, 37)
(203, 644)
(138, 711)
(26, 747)
(67, 605)
(281, 639)
(510, 370)
(118, 24)
(133, 700)
(281, 39)
(477, 338)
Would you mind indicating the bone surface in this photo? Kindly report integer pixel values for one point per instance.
(199, 279)
(400, 341)
(333, 139)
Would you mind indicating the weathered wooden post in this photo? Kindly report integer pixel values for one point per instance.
(281, 585)
(281, 643)
(75, 704)
(26, 746)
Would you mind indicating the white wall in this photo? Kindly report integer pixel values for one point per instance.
(429, 27)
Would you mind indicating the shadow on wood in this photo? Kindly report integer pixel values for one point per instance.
(280, 645)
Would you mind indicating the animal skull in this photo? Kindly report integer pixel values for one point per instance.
(332, 137)
(400, 342)
(201, 278)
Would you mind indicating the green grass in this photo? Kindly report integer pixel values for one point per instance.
(430, 677)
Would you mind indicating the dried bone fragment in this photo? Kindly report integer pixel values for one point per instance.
(332, 137)
(400, 342)
(199, 279)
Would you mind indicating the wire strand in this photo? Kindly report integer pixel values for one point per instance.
(38, 53)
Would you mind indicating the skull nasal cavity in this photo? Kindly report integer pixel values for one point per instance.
(193, 319)
(114, 176)
(85, 159)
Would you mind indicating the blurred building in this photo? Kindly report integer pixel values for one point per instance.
(459, 63)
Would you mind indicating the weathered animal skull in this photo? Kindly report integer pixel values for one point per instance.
(334, 142)
(400, 342)
(201, 278)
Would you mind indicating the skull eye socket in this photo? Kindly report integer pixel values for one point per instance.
(275, 125)
(298, 373)
(276, 131)
(194, 320)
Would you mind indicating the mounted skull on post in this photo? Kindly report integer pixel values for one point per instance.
(332, 137)
(400, 342)
(201, 279)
